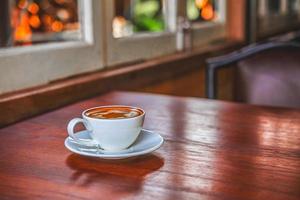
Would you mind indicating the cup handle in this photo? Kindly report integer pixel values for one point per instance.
(72, 124)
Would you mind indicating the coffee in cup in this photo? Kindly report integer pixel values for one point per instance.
(115, 112)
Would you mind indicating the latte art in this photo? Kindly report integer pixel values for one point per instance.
(114, 113)
(118, 114)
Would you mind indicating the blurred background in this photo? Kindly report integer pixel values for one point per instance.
(42, 41)
(28, 22)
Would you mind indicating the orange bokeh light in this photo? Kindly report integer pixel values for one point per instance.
(47, 19)
(23, 31)
(33, 8)
(57, 26)
(60, 1)
(34, 21)
(207, 12)
(22, 4)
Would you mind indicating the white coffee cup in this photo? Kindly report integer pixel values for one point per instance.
(111, 134)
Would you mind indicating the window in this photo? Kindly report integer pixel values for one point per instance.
(277, 15)
(207, 19)
(133, 17)
(294, 6)
(45, 40)
(201, 11)
(139, 28)
(33, 55)
(162, 25)
(38, 21)
(274, 6)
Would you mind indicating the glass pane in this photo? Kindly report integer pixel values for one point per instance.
(202, 10)
(28, 22)
(293, 6)
(137, 16)
(274, 6)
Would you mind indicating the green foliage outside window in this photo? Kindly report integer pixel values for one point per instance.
(147, 16)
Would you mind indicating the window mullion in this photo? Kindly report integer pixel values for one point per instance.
(221, 4)
(283, 7)
(263, 8)
(169, 11)
(297, 6)
(5, 29)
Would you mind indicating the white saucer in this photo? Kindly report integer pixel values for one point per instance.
(147, 142)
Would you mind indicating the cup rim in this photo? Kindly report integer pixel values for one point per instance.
(106, 106)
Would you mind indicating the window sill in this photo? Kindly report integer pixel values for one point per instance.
(30, 102)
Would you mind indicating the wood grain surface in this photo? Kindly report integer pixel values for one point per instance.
(212, 150)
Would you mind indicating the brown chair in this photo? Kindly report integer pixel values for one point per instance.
(265, 74)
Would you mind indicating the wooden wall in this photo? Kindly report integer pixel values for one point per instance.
(193, 84)
(188, 84)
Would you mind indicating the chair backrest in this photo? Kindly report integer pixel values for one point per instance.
(265, 74)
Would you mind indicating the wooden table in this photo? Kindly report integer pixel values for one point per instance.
(212, 150)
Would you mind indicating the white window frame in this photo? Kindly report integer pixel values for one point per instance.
(28, 66)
